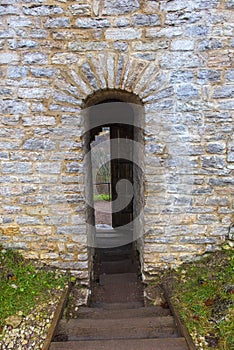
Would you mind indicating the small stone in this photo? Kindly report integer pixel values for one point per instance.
(13, 321)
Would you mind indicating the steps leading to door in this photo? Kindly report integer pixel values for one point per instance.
(117, 318)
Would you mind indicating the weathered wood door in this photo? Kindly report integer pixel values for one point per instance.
(122, 169)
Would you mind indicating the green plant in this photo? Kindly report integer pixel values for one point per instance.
(204, 296)
(102, 197)
(22, 285)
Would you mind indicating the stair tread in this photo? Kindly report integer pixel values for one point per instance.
(97, 313)
(116, 267)
(118, 278)
(120, 322)
(143, 327)
(117, 306)
(123, 344)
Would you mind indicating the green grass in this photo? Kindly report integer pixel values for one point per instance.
(22, 286)
(102, 197)
(204, 296)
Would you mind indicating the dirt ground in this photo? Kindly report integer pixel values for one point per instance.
(103, 213)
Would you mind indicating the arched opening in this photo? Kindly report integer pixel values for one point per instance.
(114, 177)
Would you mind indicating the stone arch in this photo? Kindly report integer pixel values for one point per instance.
(110, 71)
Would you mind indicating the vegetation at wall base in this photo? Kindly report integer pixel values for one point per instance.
(23, 285)
(203, 292)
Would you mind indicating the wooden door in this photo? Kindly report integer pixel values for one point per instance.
(121, 168)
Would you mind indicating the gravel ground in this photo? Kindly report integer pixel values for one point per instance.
(28, 332)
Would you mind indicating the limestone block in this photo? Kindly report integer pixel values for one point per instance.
(224, 92)
(35, 58)
(216, 148)
(38, 34)
(182, 76)
(8, 10)
(17, 245)
(4, 155)
(21, 44)
(16, 167)
(49, 256)
(38, 144)
(15, 72)
(163, 32)
(229, 75)
(197, 31)
(72, 230)
(210, 44)
(123, 34)
(117, 7)
(150, 6)
(146, 20)
(34, 93)
(205, 76)
(19, 22)
(92, 23)
(64, 58)
(220, 58)
(79, 9)
(27, 220)
(159, 105)
(62, 22)
(62, 97)
(9, 57)
(154, 46)
(181, 17)
(230, 156)
(122, 22)
(187, 91)
(170, 60)
(5, 34)
(226, 105)
(48, 168)
(182, 45)
(42, 10)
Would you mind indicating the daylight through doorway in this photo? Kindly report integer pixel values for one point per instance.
(114, 173)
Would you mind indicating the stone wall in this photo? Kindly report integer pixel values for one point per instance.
(177, 57)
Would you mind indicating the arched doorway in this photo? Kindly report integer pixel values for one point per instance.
(114, 184)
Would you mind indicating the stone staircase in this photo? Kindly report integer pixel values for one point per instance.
(117, 318)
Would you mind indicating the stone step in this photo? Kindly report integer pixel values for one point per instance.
(116, 267)
(118, 306)
(117, 288)
(131, 328)
(110, 242)
(120, 344)
(101, 313)
(103, 257)
(122, 279)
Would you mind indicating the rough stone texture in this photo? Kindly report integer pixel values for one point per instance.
(177, 56)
